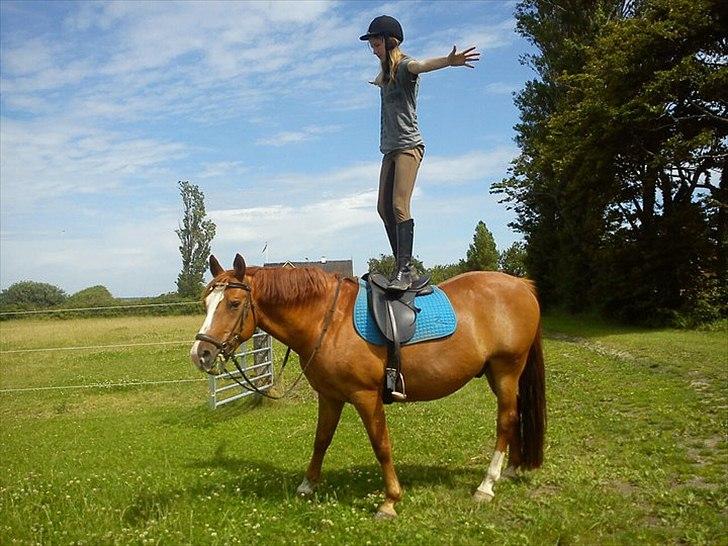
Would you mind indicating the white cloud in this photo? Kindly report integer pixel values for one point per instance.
(289, 223)
(296, 232)
(502, 88)
(477, 166)
(483, 37)
(32, 56)
(292, 137)
(41, 161)
(154, 59)
(222, 168)
(358, 177)
(474, 166)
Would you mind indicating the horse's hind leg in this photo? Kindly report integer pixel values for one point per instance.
(329, 412)
(503, 379)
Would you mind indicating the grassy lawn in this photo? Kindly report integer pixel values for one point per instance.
(636, 448)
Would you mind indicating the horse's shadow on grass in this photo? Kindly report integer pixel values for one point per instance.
(202, 417)
(262, 479)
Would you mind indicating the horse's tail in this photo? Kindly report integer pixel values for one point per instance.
(532, 406)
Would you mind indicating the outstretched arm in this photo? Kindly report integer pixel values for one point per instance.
(464, 58)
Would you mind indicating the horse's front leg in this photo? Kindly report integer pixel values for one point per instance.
(329, 412)
(371, 410)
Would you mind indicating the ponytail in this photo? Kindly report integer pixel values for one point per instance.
(391, 63)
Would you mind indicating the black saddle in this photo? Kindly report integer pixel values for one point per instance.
(395, 312)
(396, 316)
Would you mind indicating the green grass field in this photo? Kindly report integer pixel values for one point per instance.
(636, 448)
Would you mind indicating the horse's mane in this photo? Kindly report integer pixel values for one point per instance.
(289, 286)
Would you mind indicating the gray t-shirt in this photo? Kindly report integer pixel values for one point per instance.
(399, 129)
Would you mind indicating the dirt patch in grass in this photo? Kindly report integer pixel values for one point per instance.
(544, 491)
(625, 489)
(699, 483)
(592, 346)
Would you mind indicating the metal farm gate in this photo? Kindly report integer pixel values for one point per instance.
(256, 360)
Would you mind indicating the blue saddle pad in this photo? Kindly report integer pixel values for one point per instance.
(435, 319)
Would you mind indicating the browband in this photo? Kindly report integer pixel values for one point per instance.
(226, 285)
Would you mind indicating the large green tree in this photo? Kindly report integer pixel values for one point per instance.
(561, 228)
(513, 260)
(482, 254)
(623, 138)
(196, 232)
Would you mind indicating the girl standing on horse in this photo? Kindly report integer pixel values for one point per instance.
(400, 139)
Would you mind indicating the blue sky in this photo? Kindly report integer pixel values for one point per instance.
(264, 105)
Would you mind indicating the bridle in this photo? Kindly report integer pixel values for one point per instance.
(228, 346)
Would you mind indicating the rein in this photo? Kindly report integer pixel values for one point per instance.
(227, 347)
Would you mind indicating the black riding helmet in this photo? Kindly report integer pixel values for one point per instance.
(386, 27)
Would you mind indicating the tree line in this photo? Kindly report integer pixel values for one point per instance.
(620, 187)
(24, 296)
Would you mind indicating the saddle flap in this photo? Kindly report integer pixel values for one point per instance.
(402, 309)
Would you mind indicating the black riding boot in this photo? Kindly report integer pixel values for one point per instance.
(403, 277)
(392, 236)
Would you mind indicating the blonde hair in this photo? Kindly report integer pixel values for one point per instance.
(388, 73)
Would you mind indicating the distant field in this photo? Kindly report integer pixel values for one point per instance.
(636, 448)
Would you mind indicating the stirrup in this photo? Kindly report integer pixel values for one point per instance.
(396, 395)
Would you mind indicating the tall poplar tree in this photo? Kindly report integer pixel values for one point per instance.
(196, 232)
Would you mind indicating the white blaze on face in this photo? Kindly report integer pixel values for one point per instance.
(211, 303)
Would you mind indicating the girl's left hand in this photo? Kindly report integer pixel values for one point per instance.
(464, 58)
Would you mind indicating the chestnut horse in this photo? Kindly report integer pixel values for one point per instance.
(497, 335)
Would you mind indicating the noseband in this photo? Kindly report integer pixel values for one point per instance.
(227, 347)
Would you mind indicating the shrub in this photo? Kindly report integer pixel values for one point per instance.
(94, 296)
(30, 295)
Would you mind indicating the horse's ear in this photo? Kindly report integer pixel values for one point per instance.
(215, 267)
(239, 265)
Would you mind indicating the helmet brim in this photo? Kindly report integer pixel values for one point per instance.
(371, 35)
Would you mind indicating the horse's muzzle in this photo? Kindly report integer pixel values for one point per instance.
(204, 355)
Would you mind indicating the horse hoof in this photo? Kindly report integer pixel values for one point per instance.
(482, 497)
(386, 511)
(306, 489)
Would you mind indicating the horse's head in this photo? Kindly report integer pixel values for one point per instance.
(230, 316)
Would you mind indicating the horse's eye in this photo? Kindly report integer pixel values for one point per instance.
(235, 304)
